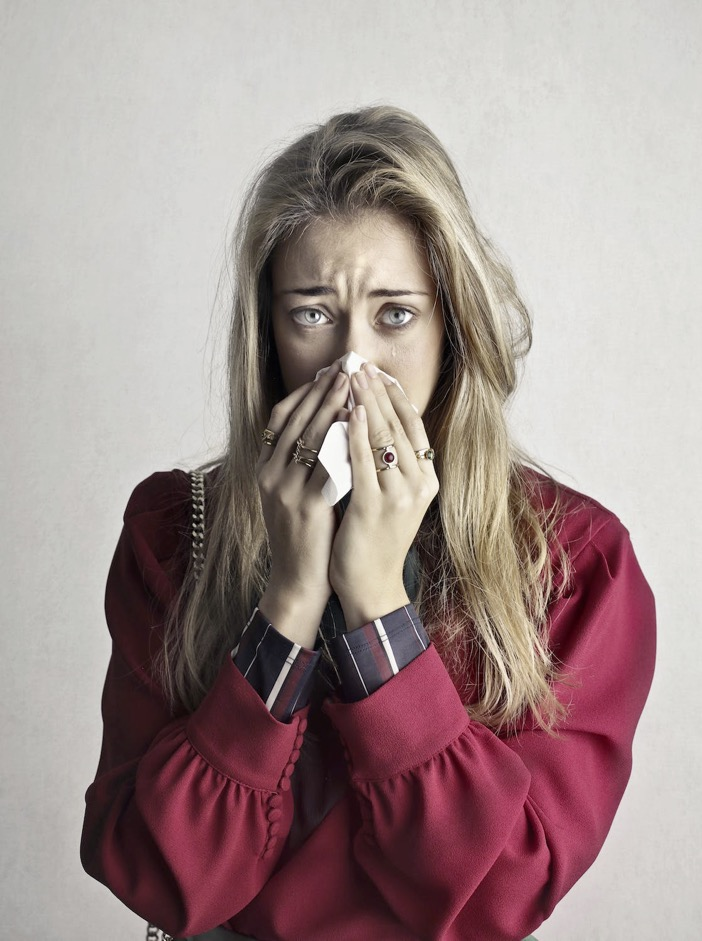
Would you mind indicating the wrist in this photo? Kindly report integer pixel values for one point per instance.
(363, 610)
(293, 613)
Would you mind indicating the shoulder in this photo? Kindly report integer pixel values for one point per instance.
(606, 594)
(580, 522)
(162, 490)
(165, 495)
(158, 520)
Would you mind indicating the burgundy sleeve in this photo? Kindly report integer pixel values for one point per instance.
(187, 814)
(372, 654)
(281, 671)
(467, 833)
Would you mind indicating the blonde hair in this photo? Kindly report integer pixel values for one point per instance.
(484, 547)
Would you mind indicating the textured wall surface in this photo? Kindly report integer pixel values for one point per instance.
(129, 131)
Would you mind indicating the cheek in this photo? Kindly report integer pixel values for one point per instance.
(292, 365)
(418, 373)
(298, 367)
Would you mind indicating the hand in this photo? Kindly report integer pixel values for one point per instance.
(386, 508)
(299, 521)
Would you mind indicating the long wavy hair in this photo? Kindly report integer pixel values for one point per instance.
(488, 569)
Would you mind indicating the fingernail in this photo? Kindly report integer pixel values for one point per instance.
(339, 382)
(371, 369)
(362, 379)
(360, 413)
(387, 380)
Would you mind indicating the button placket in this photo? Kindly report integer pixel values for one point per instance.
(275, 801)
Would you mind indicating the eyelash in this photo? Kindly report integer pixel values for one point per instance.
(394, 327)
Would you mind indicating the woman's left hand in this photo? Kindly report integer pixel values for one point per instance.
(386, 508)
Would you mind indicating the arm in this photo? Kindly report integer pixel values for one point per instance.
(187, 815)
(470, 834)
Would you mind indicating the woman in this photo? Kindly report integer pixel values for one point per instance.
(406, 716)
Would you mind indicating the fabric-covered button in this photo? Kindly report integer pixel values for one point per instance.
(298, 741)
(284, 784)
(273, 829)
(302, 726)
(294, 754)
(268, 851)
(275, 801)
(288, 770)
(274, 814)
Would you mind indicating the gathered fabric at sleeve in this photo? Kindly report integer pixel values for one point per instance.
(187, 813)
(467, 833)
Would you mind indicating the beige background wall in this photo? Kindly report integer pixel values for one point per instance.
(128, 132)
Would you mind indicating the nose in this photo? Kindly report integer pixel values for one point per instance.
(359, 337)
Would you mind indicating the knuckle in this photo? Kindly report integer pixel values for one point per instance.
(416, 425)
(277, 414)
(396, 427)
(297, 421)
(381, 438)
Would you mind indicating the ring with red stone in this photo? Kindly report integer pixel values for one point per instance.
(388, 457)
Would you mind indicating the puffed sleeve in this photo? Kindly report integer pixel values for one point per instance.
(187, 814)
(468, 834)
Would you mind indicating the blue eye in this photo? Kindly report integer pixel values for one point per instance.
(392, 315)
(309, 317)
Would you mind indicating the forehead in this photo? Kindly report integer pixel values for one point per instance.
(374, 250)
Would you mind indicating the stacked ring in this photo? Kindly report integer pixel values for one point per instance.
(300, 458)
(425, 454)
(269, 437)
(388, 457)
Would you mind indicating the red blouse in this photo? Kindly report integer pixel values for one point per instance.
(426, 824)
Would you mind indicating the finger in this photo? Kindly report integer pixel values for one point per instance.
(414, 428)
(365, 476)
(395, 405)
(279, 418)
(384, 426)
(411, 420)
(315, 432)
(289, 419)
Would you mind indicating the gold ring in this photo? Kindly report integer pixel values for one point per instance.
(300, 458)
(303, 447)
(307, 461)
(269, 437)
(425, 454)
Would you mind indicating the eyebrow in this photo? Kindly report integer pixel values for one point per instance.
(323, 291)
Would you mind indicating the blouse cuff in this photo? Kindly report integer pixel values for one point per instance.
(280, 670)
(375, 652)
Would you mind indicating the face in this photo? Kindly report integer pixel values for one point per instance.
(365, 286)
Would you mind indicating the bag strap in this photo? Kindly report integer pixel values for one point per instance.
(155, 934)
(197, 487)
(197, 490)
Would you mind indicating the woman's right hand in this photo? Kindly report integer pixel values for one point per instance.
(299, 521)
